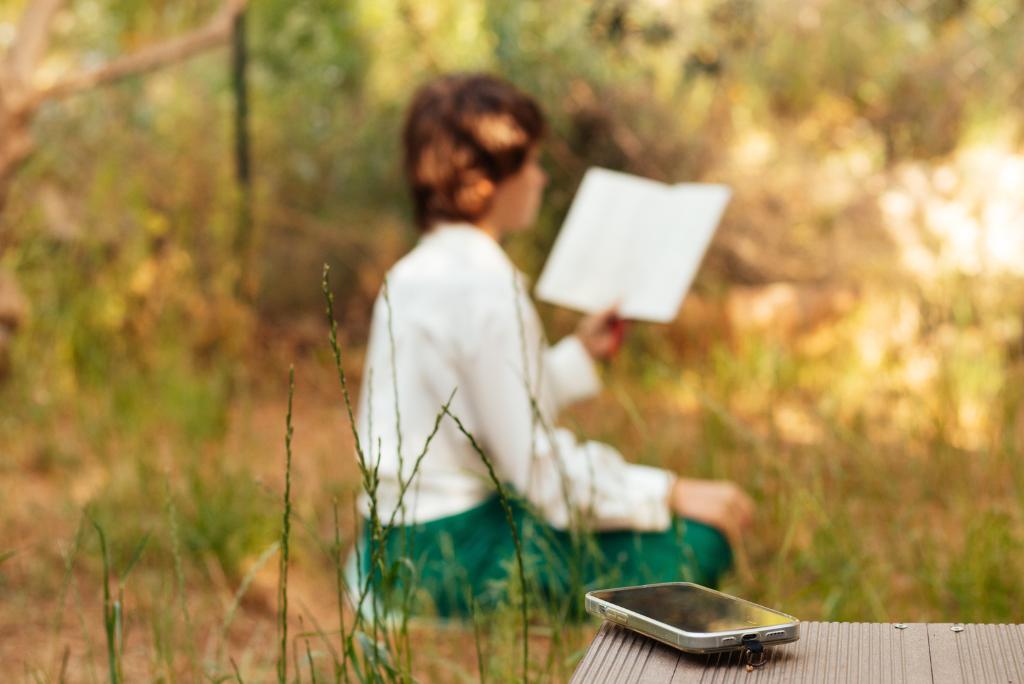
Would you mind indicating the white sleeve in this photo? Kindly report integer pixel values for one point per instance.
(545, 464)
(570, 372)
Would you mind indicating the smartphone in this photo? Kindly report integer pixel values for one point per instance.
(693, 618)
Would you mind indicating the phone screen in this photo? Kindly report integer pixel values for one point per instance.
(692, 608)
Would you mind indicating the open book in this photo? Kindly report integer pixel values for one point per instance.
(633, 242)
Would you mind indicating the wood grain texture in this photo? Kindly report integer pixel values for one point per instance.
(826, 652)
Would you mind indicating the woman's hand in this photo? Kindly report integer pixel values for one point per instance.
(718, 503)
(602, 333)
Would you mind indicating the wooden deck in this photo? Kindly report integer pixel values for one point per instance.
(826, 652)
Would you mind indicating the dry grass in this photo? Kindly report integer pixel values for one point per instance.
(883, 495)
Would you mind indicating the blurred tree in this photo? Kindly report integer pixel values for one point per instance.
(21, 98)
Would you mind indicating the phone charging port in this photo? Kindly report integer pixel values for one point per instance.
(750, 637)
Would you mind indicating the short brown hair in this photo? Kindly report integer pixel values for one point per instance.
(461, 129)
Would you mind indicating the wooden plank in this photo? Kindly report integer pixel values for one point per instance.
(830, 663)
(812, 634)
(627, 654)
(596, 651)
(627, 643)
(1013, 640)
(976, 653)
(660, 666)
(944, 652)
(826, 652)
(790, 663)
(990, 637)
(621, 655)
(861, 653)
(885, 636)
(912, 661)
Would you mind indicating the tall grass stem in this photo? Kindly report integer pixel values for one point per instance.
(504, 499)
(282, 591)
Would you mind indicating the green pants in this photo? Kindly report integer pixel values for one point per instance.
(448, 565)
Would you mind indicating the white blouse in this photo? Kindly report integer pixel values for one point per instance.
(461, 321)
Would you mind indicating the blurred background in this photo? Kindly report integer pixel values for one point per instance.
(175, 173)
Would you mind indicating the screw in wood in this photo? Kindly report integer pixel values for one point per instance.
(957, 628)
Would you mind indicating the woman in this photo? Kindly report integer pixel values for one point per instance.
(455, 316)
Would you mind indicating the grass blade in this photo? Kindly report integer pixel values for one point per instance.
(109, 619)
(504, 499)
(179, 578)
(136, 555)
(282, 589)
(229, 615)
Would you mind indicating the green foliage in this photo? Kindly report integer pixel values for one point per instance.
(229, 517)
(980, 585)
(113, 604)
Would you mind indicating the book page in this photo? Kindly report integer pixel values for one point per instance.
(631, 242)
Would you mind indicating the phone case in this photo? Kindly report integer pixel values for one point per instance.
(694, 642)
